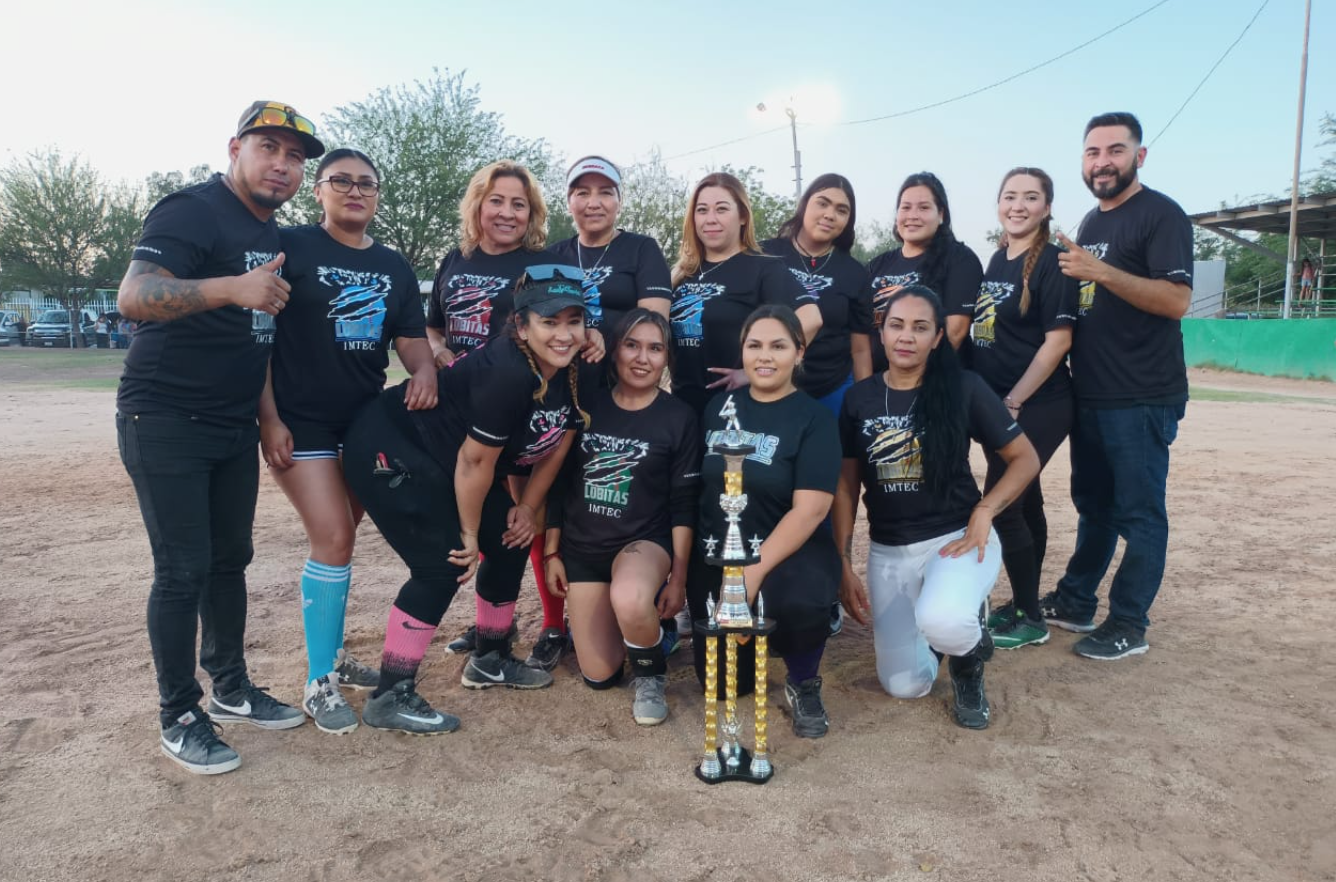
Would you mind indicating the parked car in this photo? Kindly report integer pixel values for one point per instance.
(52, 328)
(11, 328)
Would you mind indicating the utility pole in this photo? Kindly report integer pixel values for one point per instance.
(797, 156)
(1292, 253)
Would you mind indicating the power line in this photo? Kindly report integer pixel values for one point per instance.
(1015, 76)
(726, 143)
(1218, 62)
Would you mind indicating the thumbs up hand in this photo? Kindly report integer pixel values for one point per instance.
(261, 289)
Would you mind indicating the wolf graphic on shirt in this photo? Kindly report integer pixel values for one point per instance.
(767, 446)
(262, 323)
(688, 309)
(608, 473)
(991, 296)
(894, 450)
(358, 310)
(1086, 292)
(468, 308)
(544, 434)
(891, 280)
(594, 277)
(812, 283)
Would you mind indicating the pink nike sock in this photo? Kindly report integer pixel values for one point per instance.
(406, 642)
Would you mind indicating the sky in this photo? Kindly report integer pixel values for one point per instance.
(149, 85)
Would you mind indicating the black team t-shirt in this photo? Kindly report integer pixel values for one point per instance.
(618, 276)
(1122, 356)
(876, 430)
(346, 305)
(634, 474)
(1004, 341)
(210, 365)
(472, 298)
(709, 309)
(963, 273)
(487, 395)
(839, 286)
(797, 448)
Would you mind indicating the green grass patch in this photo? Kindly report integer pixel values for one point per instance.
(92, 384)
(1205, 393)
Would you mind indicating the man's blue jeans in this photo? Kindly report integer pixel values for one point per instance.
(1120, 468)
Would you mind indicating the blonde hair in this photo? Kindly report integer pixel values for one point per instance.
(482, 182)
(692, 250)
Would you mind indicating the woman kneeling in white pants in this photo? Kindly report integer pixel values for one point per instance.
(934, 555)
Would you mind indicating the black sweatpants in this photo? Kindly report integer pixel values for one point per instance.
(416, 511)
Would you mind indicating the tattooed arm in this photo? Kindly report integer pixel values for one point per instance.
(151, 293)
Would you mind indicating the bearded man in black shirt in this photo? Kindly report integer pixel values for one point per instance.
(1134, 262)
(204, 285)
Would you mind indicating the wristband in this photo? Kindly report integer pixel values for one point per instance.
(548, 557)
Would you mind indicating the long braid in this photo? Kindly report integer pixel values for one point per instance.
(572, 376)
(533, 366)
(1041, 237)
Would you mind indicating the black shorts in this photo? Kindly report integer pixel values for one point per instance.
(598, 567)
(315, 440)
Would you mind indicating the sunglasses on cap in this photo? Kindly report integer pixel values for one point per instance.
(548, 272)
(280, 116)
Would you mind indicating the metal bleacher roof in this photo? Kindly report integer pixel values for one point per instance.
(1316, 219)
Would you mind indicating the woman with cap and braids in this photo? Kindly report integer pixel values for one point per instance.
(618, 546)
(351, 296)
(503, 230)
(1023, 322)
(933, 555)
(929, 254)
(434, 483)
(622, 270)
(720, 277)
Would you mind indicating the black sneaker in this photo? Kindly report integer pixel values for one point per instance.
(192, 742)
(836, 618)
(970, 707)
(502, 669)
(401, 709)
(806, 708)
(465, 643)
(355, 674)
(548, 650)
(251, 704)
(1113, 639)
(1058, 613)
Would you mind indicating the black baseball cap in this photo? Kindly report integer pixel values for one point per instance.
(549, 288)
(277, 115)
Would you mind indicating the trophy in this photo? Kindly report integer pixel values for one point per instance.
(731, 621)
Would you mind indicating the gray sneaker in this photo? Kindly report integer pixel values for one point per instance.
(251, 704)
(403, 710)
(650, 707)
(355, 674)
(192, 742)
(806, 708)
(326, 705)
(502, 669)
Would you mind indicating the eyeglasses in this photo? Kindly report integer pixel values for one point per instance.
(283, 117)
(341, 184)
(547, 272)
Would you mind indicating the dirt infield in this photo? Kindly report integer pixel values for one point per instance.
(1211, 757)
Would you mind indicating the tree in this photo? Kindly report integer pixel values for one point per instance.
(769, 210)
(63, 231)
(654, 201)
(427, 139)
(874, 238)
(161, 184)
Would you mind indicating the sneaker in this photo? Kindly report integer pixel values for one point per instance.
(686, 629)
(1113, 639)
(502, 669)
(1020, 630)
(1058, 613)
(354, 674)
(809, 714)
(465, 643)
(251, 704)
(970, 707)
(836, 619)
(672, 641)
(325, 704)
(401, 709)
(1001, 616)
(548, 649)
(650, 707)
(192, 742)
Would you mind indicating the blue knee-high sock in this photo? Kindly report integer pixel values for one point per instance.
(324, 599)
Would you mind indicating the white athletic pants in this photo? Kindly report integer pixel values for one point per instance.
(922, 601)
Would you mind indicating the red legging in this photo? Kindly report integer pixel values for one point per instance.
(554, 608)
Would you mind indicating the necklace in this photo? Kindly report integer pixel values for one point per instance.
(812, 257)
(701, 272)
(886, 402)
(579, 256)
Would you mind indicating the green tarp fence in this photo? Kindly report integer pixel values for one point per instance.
(1301, 348)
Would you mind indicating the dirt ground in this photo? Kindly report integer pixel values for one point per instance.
(1211, 757)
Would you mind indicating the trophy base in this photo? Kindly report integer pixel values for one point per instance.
(759, 627)
(743, 773)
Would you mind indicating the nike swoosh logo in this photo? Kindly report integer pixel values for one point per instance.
(416, 628)
(244, 710)
(175, 746)
(433, 720)
(495, 678)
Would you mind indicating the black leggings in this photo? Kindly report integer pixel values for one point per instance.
(798, 594)
(416, 512)
(1022, 526)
